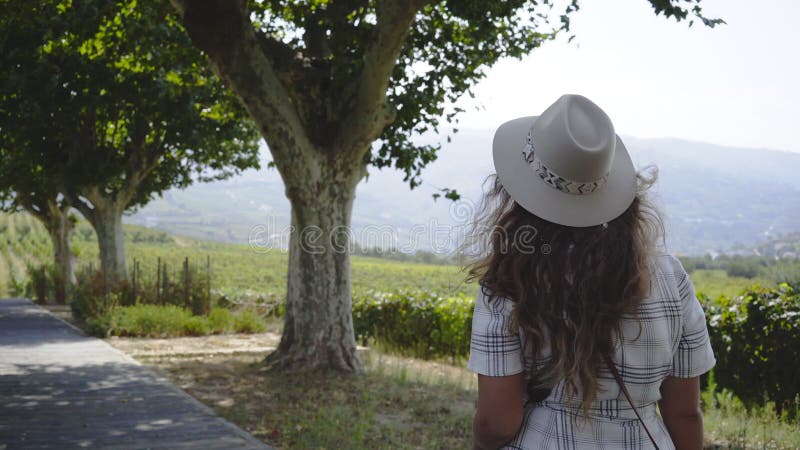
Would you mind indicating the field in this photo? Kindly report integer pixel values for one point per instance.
(238, 269)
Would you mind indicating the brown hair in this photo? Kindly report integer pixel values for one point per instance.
(529, 260)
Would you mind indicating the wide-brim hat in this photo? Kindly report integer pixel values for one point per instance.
(567, 165)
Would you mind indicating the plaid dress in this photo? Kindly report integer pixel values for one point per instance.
(673, 342)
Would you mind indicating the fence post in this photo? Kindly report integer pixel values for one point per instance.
(186, 296)
(165, 282)
(133, 287)
(158, 281)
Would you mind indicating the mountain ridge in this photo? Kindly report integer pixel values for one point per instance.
(714, 198)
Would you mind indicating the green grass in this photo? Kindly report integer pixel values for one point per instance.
(173, 321)
(716, 282)
(730, 425)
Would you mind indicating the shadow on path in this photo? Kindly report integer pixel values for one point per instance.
(59, 389)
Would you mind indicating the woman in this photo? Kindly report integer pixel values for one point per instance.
(573, 288)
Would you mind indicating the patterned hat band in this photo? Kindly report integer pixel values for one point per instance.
(555, 180)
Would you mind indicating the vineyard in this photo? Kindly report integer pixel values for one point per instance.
(236, 269)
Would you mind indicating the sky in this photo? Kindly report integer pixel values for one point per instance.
(737, 84)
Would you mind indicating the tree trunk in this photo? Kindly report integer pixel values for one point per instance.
(107, 223)
(60, 228)
(318, 324)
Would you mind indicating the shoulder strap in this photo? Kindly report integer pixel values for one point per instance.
(617, 377)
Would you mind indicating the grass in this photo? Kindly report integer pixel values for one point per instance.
(714, 282)
(388, 407)
(729, 425)
(400, 403)
(173, 321)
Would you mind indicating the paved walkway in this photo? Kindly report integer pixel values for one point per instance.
(60, 389)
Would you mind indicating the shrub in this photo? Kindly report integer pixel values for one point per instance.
(150, 321)
(248, 322)
(419, 323)
(756, 339)
(220, 320)
(197, 326)
(93, 302)
(744, 269)
(37, 283)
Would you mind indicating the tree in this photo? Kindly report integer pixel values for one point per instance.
(28, 178)
(324, 80)
(128, 106)
(22, 188)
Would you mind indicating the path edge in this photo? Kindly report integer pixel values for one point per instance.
(161, 378)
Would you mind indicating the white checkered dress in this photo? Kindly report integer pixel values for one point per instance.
(673, 342)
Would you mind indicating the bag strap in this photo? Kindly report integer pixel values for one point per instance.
(617, 377)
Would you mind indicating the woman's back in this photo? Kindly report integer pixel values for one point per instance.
(672, 341)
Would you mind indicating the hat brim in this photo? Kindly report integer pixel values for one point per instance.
(541, 199)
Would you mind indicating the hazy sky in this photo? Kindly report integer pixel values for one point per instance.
(737, 84)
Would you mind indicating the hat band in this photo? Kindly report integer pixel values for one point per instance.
(555, 180)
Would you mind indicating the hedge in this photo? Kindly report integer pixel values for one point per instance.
(413, 322)
(756, 340)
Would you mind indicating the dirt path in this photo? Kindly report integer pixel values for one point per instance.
(196, 346)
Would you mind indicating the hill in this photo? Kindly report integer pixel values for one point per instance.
(714, 198)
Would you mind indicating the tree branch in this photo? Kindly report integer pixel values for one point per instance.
(222, 29)
(369, 112)
(75, 201)
(30, 204)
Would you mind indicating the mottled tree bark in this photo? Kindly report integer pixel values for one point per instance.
(318, 325)
(104, 213)
(111, 241)
(60, 228)
(55, 217)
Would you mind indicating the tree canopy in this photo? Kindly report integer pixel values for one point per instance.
(111, 101)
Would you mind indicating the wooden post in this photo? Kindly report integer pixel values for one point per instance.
(133, 283)
(208, 280)
(164, 283)
(187, 301)
(158, 281)
(138, 270)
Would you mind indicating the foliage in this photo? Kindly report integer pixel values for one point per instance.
(37, 285)
(95, 300)
(104, 89)
(246, 321)
(420, 323)
(42, 282)
(756, 338)
(105, 104)
(153, 321)
(197, 326)
(160, 321)
(220, 319)
(727, 419)
(446, 51)
(743, 269)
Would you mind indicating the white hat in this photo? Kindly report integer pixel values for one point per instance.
(567, 165)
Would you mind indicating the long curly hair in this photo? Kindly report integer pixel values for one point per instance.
(570, 285)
